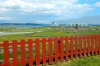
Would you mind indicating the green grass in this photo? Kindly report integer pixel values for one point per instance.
(48, 32)
(65, 33)
(13, 37)
(24, 30)
(88, 61)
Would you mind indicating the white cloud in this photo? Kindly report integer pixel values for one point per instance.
(97, 4)
(5, 18)
(19, 4)
(61, 8)
(2, 10)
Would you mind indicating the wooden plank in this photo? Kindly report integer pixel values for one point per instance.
(56, 49)
(50, 50)
(14, 47)
(96, 44)
(44, 50)
(61, 49)
(23, 53)
(88, 45)
(80, 41)
(30, 49)
(99, 44)
(76, 46)
(71, 47)
(92, 44)
(6, 53)
(84, 46)
(37, 42)
(66, 40)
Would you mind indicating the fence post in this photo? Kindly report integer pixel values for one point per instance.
(37, 41)
(44, 50)
(56, 49)
(6, 53)
(88, 45)
(92, 44)
(23, 53)
(80, 41)
(61, 49)
(66, 40)
(96, 44)
(99, 44)
(76, 47)
(84, 46)
(14, 47)
(30, 49)
(71, 47)
(50, 50)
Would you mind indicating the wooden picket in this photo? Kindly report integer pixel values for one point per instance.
(56, 49)
(96, 44)
(23, 57)
(6, 53)
(15, 57)
(50, 50)
(44, 50)
(71, 47)
(80, 41)
(66, 48)
(88, 39)
(76, 47)
(37, 41)
(84, 38)
(99, 44)
(92, 44)
(30, 49)
(59, 48)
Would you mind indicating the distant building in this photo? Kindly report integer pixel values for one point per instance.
(77, 26)
(71, 26)
(54, 24)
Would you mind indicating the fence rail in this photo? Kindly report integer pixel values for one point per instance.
(48, 50)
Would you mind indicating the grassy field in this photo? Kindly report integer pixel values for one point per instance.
(88, 61)
(49, 32)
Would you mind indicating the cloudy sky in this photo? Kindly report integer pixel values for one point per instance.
(47, 11)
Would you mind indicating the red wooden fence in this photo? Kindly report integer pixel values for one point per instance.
(47, 50)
